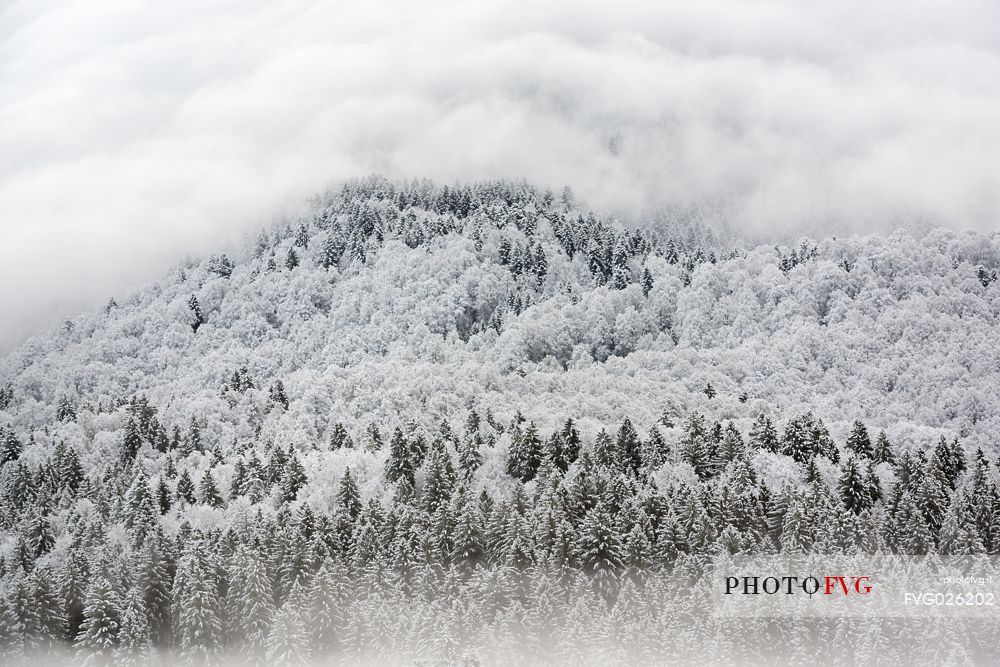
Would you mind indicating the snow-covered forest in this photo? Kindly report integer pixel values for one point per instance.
(477, 423)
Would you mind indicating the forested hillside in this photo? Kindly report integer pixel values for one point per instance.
(468, 422)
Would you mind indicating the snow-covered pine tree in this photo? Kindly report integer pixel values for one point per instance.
(859, 442)
(605, 452)
(854, 488)
(882, 451)
(197, 611)
(249, 603)
(102, 616)
(763, 434)
(525, 453)
(694, 445)
(628, 445)
(209, 491)
(601, 551)
(399, 462)
(348, 496)
(293, 478)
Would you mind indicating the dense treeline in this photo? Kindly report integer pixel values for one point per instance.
(109, 563)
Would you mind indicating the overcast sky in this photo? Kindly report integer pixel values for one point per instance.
(132, 133)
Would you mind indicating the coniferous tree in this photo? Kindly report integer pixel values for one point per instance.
(277, 394)
(914, 536)
(806, 436)
(276, 465)
(10, 447)
(176, 441)
(695, 448)
(763, 435)
(209, 491)
(238, 485)
(293, 479)
(70, 470)
(948, 462)
(399, 462)
(796, 440)
(193, 441)
(99, 633)
(638, 548)
(185, 489)
(958, 535)
(647, 281)
(197, 609)
(7, 395)
(152, 581)
(348, 496)
(256, 485)
(600, 551)
(73, 583)
(859, 442)
(854, 488)
(621, 274)
(470, 457)
(24, 624)
(605, 453)
(468, 545)
(628, 446)
(932, 499)
(197, 319)
(882, 451)
(65, 411)
(525, 454)
(288, 641)
(655, 450)
(552, 452)
(48, 606)
(162, 495)
(134, 636)
(732, 445)
(439, 479)
(302, 237)
(331, 253)
(326, 616)
(796, 531)
(540, 264)
(570, 444)
(250, 602)
(39, 535)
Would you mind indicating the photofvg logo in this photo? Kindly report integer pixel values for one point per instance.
(855, 585)
(793, 585)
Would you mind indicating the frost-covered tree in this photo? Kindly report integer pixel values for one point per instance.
(185, 488)
(882, 451)
(348, 496)
(399, 462)
(854, 488)
(695, 446)
(859, 442)
(525, 453)
(197, 608)
(249, 602)
(601, 551)
(293, 478)
(628, 445)
(102, 619)
(763, 434)
(209, 491)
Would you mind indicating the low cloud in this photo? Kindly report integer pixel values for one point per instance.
(133, 133)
